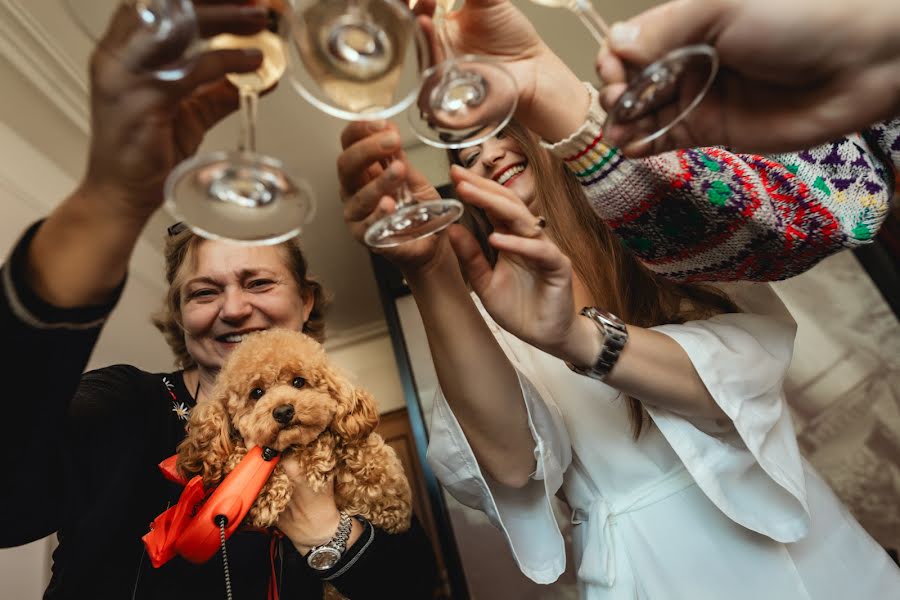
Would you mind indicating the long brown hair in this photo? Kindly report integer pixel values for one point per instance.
(616, 280)
(182, 247)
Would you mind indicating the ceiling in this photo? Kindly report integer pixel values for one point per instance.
(44, 101)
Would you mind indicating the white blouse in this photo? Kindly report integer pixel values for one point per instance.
(692, 509)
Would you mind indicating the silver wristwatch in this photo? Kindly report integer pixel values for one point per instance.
(326, 555)
(614, 338)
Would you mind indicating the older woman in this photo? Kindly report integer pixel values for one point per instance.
(88, 446)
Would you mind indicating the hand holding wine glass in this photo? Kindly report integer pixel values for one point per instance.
(798, 74)
(498, 29)
(142, 127)
(241, 195)
(369, 190)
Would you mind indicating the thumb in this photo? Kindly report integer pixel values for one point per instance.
(655, 32)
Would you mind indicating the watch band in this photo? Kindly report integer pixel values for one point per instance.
(325, 556)
(615, 335)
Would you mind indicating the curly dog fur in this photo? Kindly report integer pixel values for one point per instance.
(323, 420)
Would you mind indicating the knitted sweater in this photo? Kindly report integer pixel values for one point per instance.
(708, 214)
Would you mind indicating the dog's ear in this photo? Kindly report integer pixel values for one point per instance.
(356, 416)
(209, 441)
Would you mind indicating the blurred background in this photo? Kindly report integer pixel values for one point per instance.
(844, 383)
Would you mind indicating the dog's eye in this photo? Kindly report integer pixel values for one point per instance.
(257, 393)
(298, 382)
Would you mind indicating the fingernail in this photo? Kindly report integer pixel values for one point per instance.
(251, 52)
(394, 170)
(390, 140)
(624, 34)
(377, 125)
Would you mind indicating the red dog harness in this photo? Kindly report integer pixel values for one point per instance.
(191, 528)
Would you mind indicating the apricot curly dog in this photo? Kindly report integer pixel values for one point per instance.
(278, 389)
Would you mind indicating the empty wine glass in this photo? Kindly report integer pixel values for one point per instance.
(241, 195)
(169, 26)
(464, 100)
(362, 60)
(686, 72)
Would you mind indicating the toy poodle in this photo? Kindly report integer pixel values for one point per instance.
(278, 389)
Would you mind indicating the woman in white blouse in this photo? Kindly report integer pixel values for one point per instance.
(680, 466)
(700, 492)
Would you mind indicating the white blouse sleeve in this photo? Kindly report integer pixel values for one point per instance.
(753, 472)
(524, 515)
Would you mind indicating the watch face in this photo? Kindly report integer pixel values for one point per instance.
(323, 558)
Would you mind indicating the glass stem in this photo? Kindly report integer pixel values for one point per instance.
(249, 103)
(591, 19)
(403, 196)
(440, 31)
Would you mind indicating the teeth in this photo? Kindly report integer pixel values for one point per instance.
(510, 173)
(233, 339)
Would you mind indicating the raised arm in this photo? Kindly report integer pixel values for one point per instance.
(65, 275)
(706, 214)
(476, 378)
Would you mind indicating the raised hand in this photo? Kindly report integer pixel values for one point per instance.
(367, 187)
(794, 74)
(142, 126)
(528, 291)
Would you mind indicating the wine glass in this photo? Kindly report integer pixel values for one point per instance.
(464, 100)
(689, 69)
(243, 196)
(169, 26)
(362, 60)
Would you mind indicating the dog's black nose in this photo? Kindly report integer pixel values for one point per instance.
(283, 414)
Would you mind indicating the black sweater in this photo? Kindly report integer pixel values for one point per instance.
(82, 460)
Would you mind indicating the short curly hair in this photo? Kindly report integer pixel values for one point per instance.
(182, 246)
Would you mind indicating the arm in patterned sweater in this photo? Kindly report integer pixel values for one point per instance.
(708, 214)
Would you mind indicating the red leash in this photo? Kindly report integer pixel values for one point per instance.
(190, 528)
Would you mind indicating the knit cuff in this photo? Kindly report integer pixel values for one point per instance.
(587, 139)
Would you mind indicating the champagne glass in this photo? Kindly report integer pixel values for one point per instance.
(464, 100)
(168, 26)
(362, 60)
(243, 196)
(686, 72)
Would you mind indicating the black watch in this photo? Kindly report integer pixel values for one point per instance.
(325, 556)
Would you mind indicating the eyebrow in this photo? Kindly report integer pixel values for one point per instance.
(242, 275)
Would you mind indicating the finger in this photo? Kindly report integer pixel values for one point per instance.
(215, 64)
(655, 32)
(539, 252)
(357, 130)
(501, 205)
(237, 20)
(385, 207)
(352, 163)
(472, 262)
(212, 102)
(609, 67)
(361, 204)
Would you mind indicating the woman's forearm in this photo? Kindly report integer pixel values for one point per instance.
(476, 378)
(80, 254)
(652, 367)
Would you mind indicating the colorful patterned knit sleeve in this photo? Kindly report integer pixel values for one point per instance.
(886, 138)
(708, 214)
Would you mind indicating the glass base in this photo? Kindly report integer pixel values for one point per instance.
(463, 101)
(240, 197)
(413, 222)
(647, 107)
